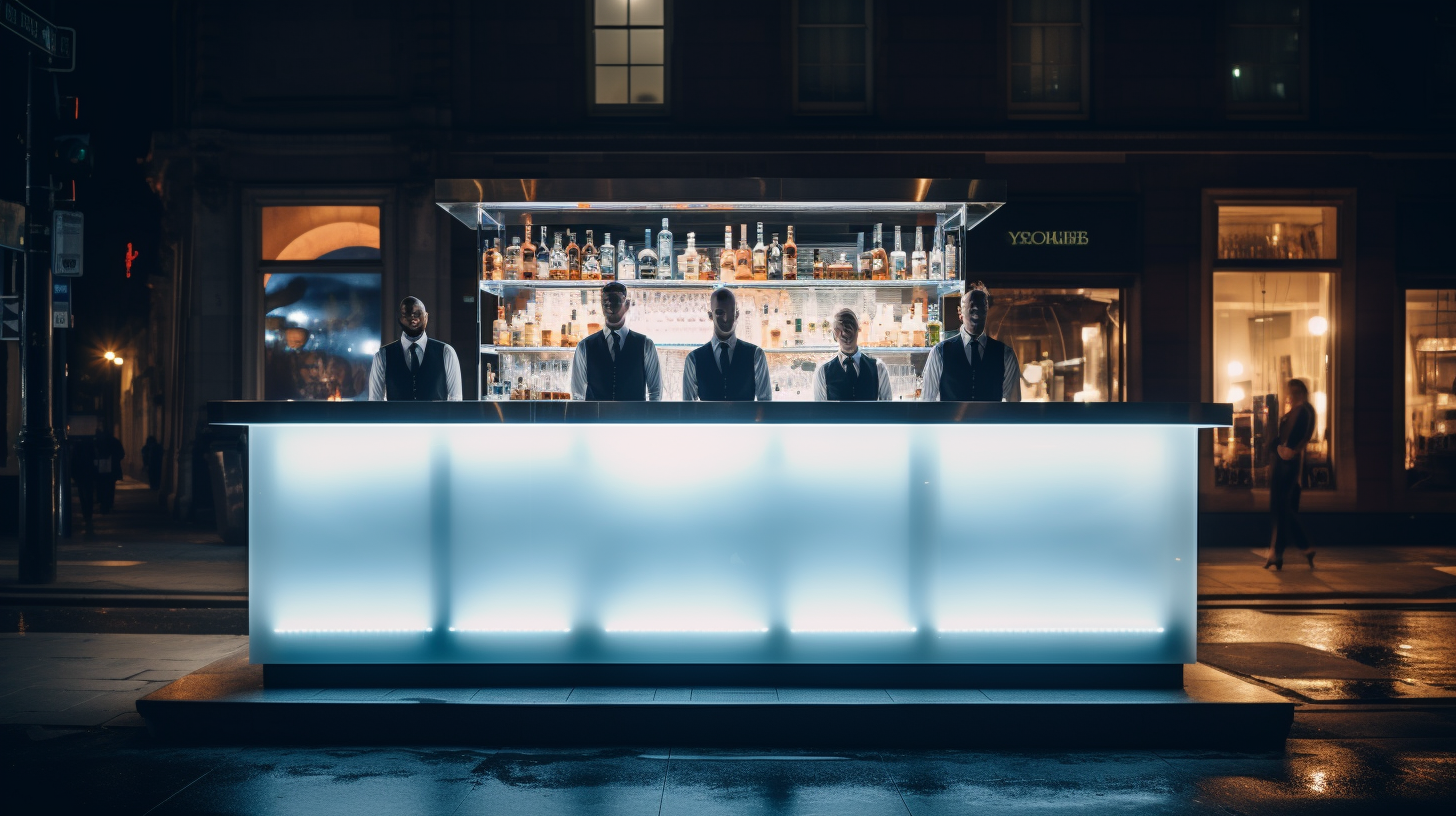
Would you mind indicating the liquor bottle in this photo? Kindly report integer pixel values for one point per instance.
(841, 269)
(665, 257)
(879, 259)
(760, 257)
(558, 260)
(528, 254)
(688, 263)
(727, 259)
(591, 264)
(743, 258)
(917, 258)
(820, 269)
(791, 257)
(513, 259)
(898, 266)
(932, 327)
(936, 270)
(775, 259)
(500, 331)
(864, 259)
(951, 271)
(647, 259)
(573, 257)
(626, 262)
(491, 262)
(608, 258)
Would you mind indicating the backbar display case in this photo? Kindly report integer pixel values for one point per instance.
(794, 251)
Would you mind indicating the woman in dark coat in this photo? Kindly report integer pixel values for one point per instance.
(1296, 428)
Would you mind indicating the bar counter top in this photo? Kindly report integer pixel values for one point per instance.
(242, 412)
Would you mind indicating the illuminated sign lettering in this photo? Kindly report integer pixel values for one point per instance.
(1047, 238)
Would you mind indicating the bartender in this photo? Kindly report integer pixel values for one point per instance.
(972, 366)
(852, 374)
(616, 363)
(414, 367)
(726, 368)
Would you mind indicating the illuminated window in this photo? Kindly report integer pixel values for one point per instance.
(1266, 50)
(1269, 328)
(320, 233)
(832, 53)
(1048, 53)
(1276, 233)
(1069, 341)
(1430, 389)
(320, 332)
(629, 45)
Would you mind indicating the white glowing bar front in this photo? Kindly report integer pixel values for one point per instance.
(711, 543)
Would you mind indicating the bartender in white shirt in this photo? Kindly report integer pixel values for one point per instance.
(970, 365)
(414, 368)
(852, 374)
(726, 368)
(616, 363)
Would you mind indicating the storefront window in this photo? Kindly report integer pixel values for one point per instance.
(1069, 341)
(321, 233)
(1283, 233)
(1430, 389)
(320, 334)
(1269, 328)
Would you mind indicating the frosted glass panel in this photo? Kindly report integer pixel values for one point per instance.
(665, 543)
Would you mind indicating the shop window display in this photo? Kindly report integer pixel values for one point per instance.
(1269, 328)
(320, 334)
(1070, 342)
(1276, 233)
(1430, 389)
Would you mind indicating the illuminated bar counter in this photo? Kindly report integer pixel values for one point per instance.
(832, 535)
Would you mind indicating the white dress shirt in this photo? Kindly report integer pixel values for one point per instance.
(762, 387)
(452, 367)
(649, 354)
(821, 387)
(935, 365)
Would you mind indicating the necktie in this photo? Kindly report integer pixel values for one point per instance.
(414, 356)
(980, 350)
(723, 357)
(615, 340)
(848, 363)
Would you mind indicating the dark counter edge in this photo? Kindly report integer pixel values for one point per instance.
(245, 412)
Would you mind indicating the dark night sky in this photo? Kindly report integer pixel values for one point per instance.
(124, 81)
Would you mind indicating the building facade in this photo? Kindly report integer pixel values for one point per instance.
(1213, 197)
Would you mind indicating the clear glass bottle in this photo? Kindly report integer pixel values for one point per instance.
(775, 259)
(608, 258)
(647, 258)
(626, 262)
(727, 259)
(500, 331)
(688, 263)
(951, 272)
(591, 264)
(743, 258)
(573, 257)
(879, 259)
(558, 260)
(665, 256)
(513, 259)
(760, 257)
(528, 253)
(917, 258)
(932, 327)
(899, 263)
(543, 258)
(791, 257)
(820, 269)
(935, 268)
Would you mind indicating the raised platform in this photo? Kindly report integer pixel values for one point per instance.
(227, 702)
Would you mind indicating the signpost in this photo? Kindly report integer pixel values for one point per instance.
(67, 237)
(54, 41)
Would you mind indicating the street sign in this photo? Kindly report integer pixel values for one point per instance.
(61, 305)
(54, 40)
(66, 240)
(12, 226)
(9, 317)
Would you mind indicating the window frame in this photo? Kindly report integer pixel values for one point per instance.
(629, 109)
(1406, 499)
(1051, 110)
(802, 108)
(1261, 110)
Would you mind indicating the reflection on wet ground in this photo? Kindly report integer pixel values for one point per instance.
(122, 771)
(1414, 649)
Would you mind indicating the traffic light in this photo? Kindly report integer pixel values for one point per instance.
(73, 157)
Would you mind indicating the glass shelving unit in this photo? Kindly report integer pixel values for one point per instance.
(787, 318)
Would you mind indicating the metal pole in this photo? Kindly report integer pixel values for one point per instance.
(59, 407)
(36, 445)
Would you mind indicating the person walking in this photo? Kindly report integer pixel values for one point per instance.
(152, 461)
(1296, 428)
(108, 453)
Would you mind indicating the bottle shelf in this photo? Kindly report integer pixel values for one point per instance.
(870, 350)
(942, 287)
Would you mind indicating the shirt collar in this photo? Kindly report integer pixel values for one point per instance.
(621, 334)
(404, 341)
(967, 337)
(731, 343)
(856, 356)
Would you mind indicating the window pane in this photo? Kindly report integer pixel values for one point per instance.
(319, 335)
(1288, 233)
(1046, 11)
(647, 85)
(1269, 328)
(320, 233)
(611, 86)
(646, 12)
(611, 46)
(1430, 389)
(1069, 341)
(611, 12)
(647, 46)
(819, 12)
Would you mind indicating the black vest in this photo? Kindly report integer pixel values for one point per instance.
(865, 385)
(962, 382)
(428, 383)
(734, 384)
(625, 378)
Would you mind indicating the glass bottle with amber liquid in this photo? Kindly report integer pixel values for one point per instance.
(513, 260)
(791, 257)
(500, 331)
(491, 262)
(743, 257)
(841, 269)
(727, 259)
(528, 253)
(879, 259)
(820, 269)
(573, 257)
